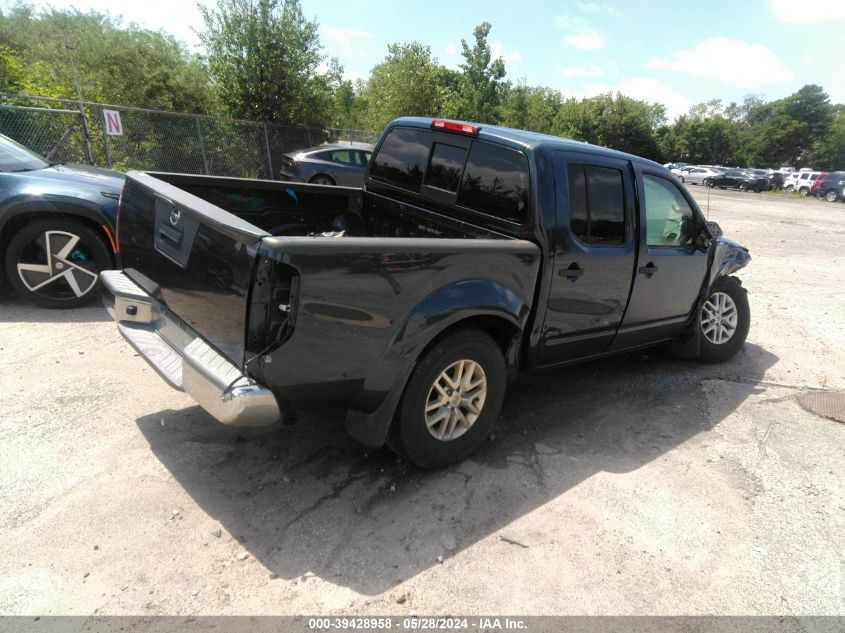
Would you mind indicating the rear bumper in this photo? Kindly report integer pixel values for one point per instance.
(185, 361)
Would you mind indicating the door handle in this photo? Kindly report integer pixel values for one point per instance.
(648, 270)
(572, 273)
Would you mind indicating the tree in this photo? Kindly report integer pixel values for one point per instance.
(264, 57)
(828, 153)
(406, 83)
(481, 80)
(115, 64)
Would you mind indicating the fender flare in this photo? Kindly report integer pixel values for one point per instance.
(441, 310)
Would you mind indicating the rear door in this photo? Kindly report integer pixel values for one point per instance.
(195, 258)
(670, 268)
(594, 246)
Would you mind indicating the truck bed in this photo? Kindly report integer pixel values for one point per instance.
(294, 272)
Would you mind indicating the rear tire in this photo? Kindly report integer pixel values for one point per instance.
(743, 186)
(56, 263)
(804, 191)
(708, 183)
(322, 179)
(723, 319)
(436, 425)
(831, 195)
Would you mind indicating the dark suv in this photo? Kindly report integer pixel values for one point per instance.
(832, 186)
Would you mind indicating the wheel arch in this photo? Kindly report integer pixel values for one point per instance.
(492, 308)
(16, 215)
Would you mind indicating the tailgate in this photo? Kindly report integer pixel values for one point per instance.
(193, 257)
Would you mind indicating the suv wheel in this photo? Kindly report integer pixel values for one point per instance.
(831, 195)
(743, 186)
(804, 191)
(451, 401)
(56, 263)
(724, 319)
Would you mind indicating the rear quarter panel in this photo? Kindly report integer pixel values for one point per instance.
(368, 306)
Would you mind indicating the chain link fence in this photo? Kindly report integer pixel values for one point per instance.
(155, 140)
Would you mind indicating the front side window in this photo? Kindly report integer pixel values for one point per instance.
(402, 158)
(670, 221)
(495, 182)
(596, 204)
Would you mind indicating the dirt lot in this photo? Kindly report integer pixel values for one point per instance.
(637, 485)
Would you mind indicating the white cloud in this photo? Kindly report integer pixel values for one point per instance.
(590, 70)
(586, 40)
(647, 89)
(596, 7)
(497, 49)
(350, 41)
(808, 11)
(732, 62)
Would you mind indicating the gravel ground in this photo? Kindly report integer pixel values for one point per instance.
(636, 485)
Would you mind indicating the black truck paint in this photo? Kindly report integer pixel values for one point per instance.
(330, 293)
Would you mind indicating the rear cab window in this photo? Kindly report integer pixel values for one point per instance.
(462, 172)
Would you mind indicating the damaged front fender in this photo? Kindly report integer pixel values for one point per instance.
(727, 257)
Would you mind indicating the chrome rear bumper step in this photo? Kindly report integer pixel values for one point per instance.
(212, 380)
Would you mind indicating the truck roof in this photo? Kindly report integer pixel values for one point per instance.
(523, 139)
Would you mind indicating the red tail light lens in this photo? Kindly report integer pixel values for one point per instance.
(455, 126)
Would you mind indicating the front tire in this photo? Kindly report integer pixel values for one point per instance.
(56, 263)
(708, 183)
(723, 319)
(831, 195)
(743, 186)
(451, 401)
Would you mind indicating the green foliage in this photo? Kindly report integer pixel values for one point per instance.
(406, 83)
(480, 83)
(828, 153)
(265, 60)
(115, 63)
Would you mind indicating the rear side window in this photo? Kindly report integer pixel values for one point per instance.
(596, 204)
(496, 182)
(402, 158)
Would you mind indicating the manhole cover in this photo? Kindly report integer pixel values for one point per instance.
(829, 404)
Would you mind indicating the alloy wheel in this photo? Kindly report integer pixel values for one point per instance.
(455, 400)
(57, 265)
(719, 318)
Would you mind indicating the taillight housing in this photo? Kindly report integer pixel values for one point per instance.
(455, 126)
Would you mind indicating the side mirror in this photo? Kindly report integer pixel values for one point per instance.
(714, 229)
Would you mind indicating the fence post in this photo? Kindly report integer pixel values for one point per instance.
(267, 144)
(85, 137)
(105, 137)
(202, 146)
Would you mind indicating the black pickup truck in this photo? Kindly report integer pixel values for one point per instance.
(471, 254)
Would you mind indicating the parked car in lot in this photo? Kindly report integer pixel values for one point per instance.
(742, 180)
(471, 254)
(805, 180)
(57, 226)
(700, 175)
(776, 180)
(831, 186)
(340, 164)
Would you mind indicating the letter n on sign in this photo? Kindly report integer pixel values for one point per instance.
(113, 125)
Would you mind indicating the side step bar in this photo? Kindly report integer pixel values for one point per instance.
(212, 380)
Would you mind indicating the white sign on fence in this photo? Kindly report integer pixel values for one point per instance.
(113, 125)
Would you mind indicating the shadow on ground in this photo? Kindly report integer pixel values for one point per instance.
(307, 498)
(14, 310)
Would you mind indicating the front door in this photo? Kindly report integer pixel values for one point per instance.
(594, 246)
(670, 267)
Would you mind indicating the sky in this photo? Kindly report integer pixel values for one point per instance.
(674, 53)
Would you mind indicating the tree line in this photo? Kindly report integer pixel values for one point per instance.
(263, 60)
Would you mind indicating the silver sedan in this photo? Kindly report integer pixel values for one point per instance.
(328, 164)
(698, 175)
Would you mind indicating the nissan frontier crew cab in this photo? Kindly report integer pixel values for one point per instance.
(472, 253)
